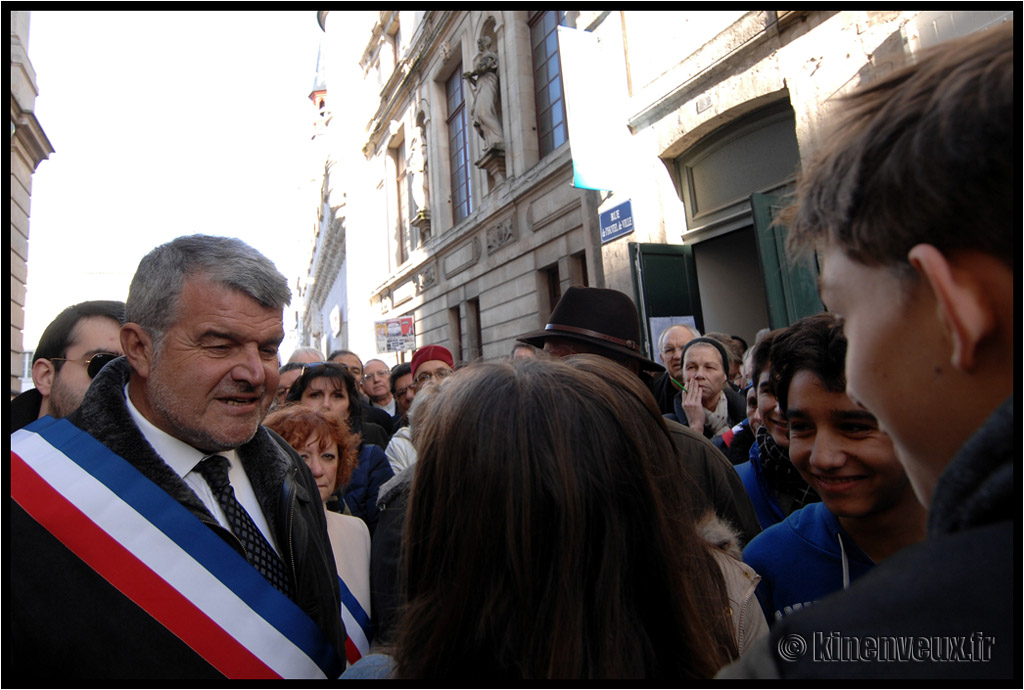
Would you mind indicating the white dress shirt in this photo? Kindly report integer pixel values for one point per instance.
(183, 459)
(390, 408)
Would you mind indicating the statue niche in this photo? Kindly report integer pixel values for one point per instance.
(483, 82)
(486, 109)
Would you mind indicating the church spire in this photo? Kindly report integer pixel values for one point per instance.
(322, 114)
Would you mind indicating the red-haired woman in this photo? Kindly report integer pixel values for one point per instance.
(329, 449)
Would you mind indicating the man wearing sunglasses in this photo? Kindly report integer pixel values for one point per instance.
(71, 351)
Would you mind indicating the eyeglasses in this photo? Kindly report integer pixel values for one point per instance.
(92, 364)
(425, 377)
(382, 375)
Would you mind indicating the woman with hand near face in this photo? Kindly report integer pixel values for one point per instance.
(707, 404)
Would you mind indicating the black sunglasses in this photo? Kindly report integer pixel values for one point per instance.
(92, 364)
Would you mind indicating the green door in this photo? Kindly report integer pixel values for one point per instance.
(664, 285)
(791, 286)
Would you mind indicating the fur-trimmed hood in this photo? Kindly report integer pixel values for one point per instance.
(720, 534)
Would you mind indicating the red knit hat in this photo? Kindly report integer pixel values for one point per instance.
(429, 353)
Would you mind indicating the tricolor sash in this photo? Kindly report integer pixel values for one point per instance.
(162, 557)
(357, 625)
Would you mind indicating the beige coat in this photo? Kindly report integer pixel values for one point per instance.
(749, 623)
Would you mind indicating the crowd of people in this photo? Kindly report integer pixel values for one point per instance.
(184, 505)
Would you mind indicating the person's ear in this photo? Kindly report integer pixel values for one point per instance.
(43, 373)
(137, 345)
(964, 307)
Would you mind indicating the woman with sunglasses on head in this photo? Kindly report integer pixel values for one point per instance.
(329, 449)
(547, 538)
(330, 386)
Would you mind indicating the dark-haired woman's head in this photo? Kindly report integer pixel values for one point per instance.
(327, 385)
(538, 541)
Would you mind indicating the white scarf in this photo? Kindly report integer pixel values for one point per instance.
(718, 419)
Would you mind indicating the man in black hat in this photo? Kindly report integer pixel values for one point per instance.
(605, 322)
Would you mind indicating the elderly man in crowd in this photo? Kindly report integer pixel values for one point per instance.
(306, 355)
(377, 385)
(667, 385)
(71, 351)
(160, 531)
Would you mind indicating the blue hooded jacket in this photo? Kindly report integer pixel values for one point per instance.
(802, 559)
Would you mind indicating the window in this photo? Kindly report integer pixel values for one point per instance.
(553, 283)
(458, 150)
(578, 269)
(406, 242)
(455, 333)
(474, 337)
(547, 80)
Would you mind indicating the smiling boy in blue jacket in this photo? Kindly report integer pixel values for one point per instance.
(868, 508)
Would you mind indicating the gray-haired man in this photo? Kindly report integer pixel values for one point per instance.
(160, 531)
(667, 385)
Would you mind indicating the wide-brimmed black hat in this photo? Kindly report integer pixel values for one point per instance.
(606, 318)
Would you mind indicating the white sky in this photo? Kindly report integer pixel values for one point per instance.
(166, 124)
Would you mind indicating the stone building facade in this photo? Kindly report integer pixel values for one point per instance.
(457, 206)
(475, 238)
(721, 107)
(29, 147)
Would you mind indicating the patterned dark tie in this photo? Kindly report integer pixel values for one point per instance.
(259, 552)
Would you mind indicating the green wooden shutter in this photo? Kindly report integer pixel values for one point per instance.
(664, 284)
(791, 287)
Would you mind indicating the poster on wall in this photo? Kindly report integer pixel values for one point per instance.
(396, 335)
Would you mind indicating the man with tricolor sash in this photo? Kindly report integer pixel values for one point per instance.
(160, 531)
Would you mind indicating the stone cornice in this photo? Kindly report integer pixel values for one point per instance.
(29, 135)
(328, 258)
(704, 65)
(395, 92)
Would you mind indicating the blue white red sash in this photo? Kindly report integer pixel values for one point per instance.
(357, 625)
(158, 554)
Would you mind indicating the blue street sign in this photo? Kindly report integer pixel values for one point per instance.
(616, 222)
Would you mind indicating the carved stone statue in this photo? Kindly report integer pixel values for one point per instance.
(418, 170)
(420, 181)
(483, 81)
